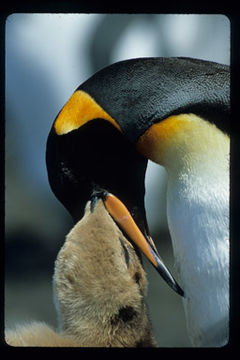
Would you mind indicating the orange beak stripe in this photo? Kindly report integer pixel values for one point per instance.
(123, 217)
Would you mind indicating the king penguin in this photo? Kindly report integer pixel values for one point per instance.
(174, 111)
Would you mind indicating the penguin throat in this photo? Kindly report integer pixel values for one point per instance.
(185, 143)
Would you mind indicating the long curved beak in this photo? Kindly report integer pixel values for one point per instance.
(123, 218)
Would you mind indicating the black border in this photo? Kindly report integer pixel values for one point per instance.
(232, 12)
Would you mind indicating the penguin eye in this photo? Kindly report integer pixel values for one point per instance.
(125, 252)
(137, 278)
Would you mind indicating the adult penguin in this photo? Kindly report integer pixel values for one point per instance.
(174, 111)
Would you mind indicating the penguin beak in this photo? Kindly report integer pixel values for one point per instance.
(123, 218)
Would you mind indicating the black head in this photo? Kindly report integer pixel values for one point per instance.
(95, 156)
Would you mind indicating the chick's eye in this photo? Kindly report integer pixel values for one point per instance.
(125, 252)
(137, 277)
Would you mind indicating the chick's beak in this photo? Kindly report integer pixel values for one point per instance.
(123, 218)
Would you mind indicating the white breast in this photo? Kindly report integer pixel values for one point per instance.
(198, 217)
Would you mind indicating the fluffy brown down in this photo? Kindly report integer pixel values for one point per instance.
(99, 288)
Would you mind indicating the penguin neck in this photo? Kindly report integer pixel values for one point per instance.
(197, 149)
(198, 206)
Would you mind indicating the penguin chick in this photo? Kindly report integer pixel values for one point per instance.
(99, 286)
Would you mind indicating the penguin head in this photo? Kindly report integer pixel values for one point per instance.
(94, 155)
(124, 107)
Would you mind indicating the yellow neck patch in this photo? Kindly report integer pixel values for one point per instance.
(182, 138)
(80, 109)
(164, 135)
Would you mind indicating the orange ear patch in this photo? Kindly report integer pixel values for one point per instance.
(80, 109)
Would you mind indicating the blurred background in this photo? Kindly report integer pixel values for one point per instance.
(47, 57)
